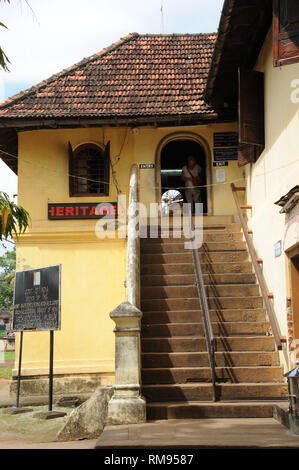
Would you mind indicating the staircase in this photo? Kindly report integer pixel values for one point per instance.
(176, 376)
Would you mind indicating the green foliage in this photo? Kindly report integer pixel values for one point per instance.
(5, 372)
(3, 57)
(7, 276)
(14, 219)
(9, 356)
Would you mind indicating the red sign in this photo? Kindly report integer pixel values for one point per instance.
(89, 210)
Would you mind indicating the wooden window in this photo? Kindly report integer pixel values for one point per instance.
(251, 116)
(89, 170)
(285, 32)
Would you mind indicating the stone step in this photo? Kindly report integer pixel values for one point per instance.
(219, 329)
(201, 410)
(201, 359)
(189, 291)
(193, 303)
(209, 236)
(187, 267)
(227, 391)
(179, 247)
(186, 279)
(198, 344)
(183, 375)
(186, 257)
(194, 316)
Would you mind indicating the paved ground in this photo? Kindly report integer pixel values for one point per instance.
(200, 433)
(4, 389)
(24, 432)
(13, 441)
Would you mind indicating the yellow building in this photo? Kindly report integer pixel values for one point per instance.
(126, 96)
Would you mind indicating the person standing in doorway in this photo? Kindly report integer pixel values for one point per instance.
(191, 176)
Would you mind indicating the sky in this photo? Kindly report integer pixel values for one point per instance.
(51, 35)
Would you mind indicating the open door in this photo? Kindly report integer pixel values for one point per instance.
(174, 156)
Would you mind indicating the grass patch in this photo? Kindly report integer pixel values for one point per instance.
(5, 372)
(30, 428)
(9, 356)
(2, 333)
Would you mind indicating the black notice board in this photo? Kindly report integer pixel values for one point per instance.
(37, 299)
(227, 154)
(225, 139)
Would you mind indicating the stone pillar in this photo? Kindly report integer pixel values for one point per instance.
(127, 406)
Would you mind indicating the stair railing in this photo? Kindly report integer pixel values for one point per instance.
(209, 336)
(259, 274)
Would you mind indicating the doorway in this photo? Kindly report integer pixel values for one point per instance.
(173, 157)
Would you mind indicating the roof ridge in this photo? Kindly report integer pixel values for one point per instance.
(178, 34)
(22, 94)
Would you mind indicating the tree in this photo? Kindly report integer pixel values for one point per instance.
(14, 219)
(3, 57)
(7, 277)
(4, 61)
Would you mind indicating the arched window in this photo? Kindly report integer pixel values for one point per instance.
(89, 170)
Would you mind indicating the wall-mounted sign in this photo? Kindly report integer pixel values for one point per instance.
(225, 154)
(220, 175)
(146, 166)
(88, 210)
(225, 139)
(220, 164)
(37, 299)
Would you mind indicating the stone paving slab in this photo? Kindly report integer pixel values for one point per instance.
(13, 441)
(200, 433)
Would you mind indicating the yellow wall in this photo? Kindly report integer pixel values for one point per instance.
(93, 270)
(274, 174)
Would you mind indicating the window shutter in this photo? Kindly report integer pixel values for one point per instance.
(251, 116)
(285, 32)
(107, 166)
(71, 170)
(246, 154)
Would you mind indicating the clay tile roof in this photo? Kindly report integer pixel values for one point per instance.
(140, 75)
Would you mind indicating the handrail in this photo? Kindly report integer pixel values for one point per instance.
(133, 243)
(210, 340)
(260, 277)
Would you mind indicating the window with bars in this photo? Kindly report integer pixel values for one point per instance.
(89, 170)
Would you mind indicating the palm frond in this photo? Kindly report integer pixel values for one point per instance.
(14, 219)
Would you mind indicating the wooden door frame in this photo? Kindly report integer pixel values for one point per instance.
(181, 135)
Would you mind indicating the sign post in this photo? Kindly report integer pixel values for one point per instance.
(51, 370)
(37, 308)
(19, 370)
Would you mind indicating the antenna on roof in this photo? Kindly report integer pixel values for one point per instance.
(162, 18)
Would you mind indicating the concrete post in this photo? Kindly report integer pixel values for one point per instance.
(127, 406)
